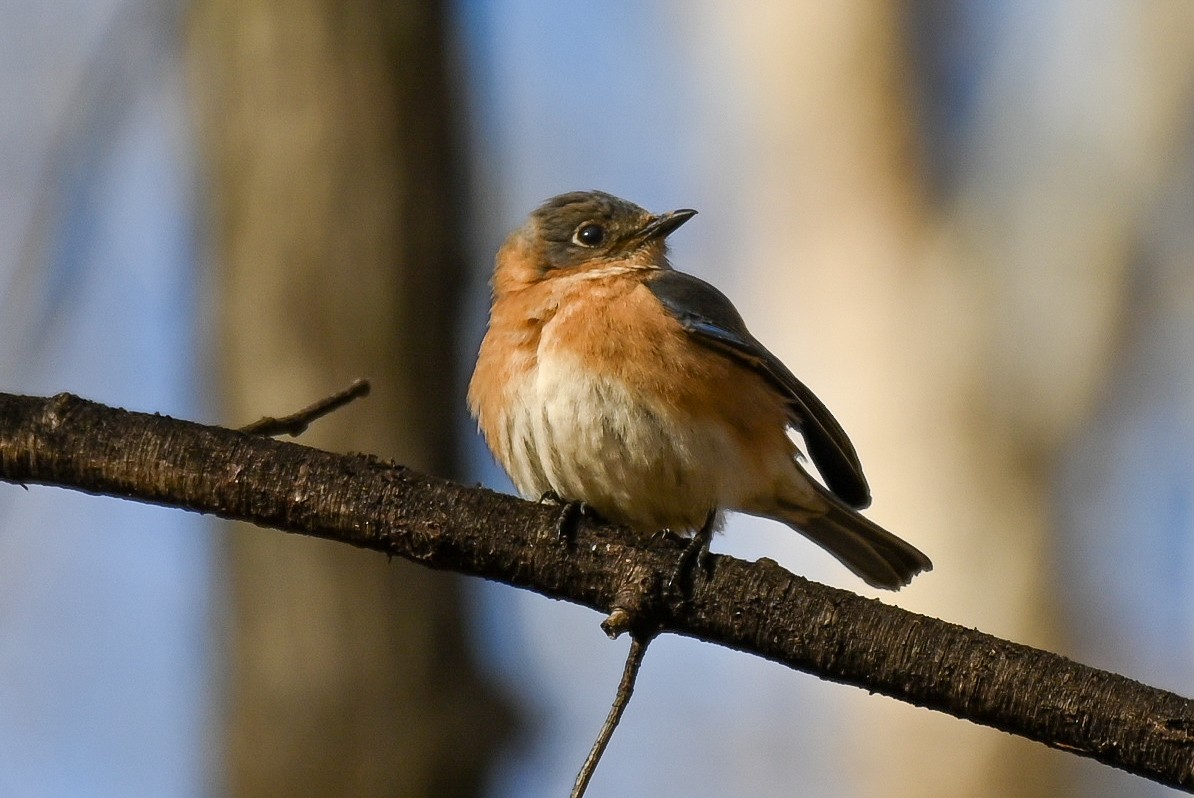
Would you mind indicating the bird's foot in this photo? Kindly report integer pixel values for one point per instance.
(666, 534)
(570, 514)
(694, 559)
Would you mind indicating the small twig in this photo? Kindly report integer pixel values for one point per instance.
(636, 606)
(634, 660)
(296, 423)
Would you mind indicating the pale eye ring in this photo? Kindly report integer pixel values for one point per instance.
(589, 235)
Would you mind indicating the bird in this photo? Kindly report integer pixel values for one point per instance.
(610, 380)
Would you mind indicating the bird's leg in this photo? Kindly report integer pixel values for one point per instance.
(695, 554)
(698, 547)
(570, 514)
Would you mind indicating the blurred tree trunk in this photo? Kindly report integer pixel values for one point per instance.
(890, 335)
(328, 131)
(960, 342)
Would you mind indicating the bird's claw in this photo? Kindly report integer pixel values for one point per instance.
(693, 559)
(570, 514)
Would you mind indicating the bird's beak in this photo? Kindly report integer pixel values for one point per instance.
(665, 224)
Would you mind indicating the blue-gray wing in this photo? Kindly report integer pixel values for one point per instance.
(712, 320)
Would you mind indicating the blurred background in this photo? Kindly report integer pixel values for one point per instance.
(965, 225)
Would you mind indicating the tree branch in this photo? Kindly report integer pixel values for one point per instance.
(754, 607)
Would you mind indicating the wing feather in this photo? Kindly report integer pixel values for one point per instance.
(712, 320)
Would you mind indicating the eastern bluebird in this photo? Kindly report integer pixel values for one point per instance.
(606, 377)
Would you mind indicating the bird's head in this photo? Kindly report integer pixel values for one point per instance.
(590, 232)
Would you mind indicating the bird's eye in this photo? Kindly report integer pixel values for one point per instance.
(589, 235)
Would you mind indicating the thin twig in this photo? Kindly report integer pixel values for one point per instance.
(634, 660)
(296, 423)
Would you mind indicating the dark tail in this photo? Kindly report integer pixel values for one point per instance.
(880, 558)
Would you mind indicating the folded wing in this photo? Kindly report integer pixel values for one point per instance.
(710, 317)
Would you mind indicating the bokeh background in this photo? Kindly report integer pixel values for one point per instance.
(966, 225)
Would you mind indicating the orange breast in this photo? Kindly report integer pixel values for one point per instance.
(588, 387)
(616, 325)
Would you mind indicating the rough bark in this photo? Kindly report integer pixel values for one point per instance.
(754, 607)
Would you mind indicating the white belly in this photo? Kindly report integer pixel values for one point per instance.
(586, 438)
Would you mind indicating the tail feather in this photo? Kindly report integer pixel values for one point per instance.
(880, 558)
